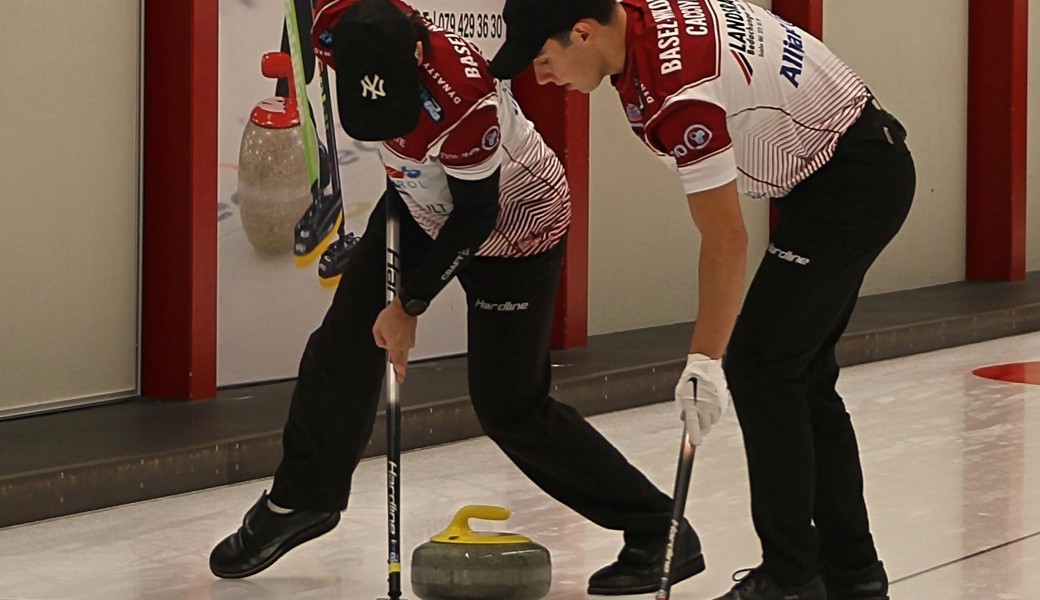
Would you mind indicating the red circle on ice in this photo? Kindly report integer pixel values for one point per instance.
(1026, 372)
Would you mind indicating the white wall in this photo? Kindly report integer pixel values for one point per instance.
(919, 71)
(68, 200)
(1033, 169)
(643, 246)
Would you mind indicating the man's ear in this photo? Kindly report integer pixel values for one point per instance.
(419, 52)
(583, 30)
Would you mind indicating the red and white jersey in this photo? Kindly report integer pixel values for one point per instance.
(469, 127)
(726, 90)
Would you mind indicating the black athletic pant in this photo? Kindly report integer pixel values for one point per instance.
(802, 455)
(341, 373)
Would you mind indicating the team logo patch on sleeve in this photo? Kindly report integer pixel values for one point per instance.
(491, 138)
(697, 137)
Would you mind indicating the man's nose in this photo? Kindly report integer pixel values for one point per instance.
(543, 76)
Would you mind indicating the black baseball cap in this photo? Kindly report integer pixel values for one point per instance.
(377, 73)
(529, 24)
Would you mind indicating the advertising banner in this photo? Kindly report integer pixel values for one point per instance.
(269, 300)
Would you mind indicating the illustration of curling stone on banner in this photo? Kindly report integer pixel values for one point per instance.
(273, 190)
(462, 564)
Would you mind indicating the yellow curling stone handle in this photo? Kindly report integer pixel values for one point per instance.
(459, 531)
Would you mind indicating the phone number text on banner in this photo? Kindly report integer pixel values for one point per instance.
(475, 26)
(479, 21)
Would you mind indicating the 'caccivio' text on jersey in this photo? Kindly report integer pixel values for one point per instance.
(694, 22)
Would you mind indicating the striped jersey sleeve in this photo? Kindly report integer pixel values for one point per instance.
(534, 196)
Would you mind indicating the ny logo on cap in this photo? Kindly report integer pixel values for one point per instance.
(372, 84)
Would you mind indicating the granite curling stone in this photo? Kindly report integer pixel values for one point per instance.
(462, 564)
(273, 184)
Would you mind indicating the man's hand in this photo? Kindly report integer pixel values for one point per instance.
(702, 395)
(394, 331)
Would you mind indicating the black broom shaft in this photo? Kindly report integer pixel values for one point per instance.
(684, 470)
(393, 415)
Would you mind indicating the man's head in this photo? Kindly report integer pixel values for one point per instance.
(377, 51)
(571, 43)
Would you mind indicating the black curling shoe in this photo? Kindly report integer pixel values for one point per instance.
(638, 571)
(868, 583)
(264, 537)
(756, 584)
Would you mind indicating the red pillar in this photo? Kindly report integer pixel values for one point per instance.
(997, 108)
(179, 255)
(562, 118)
(806, 14)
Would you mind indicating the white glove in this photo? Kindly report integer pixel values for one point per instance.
(701, 395)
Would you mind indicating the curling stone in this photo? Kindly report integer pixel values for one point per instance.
(462, 564)
(273, 188)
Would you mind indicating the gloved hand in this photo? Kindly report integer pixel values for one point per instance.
(702, 395)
